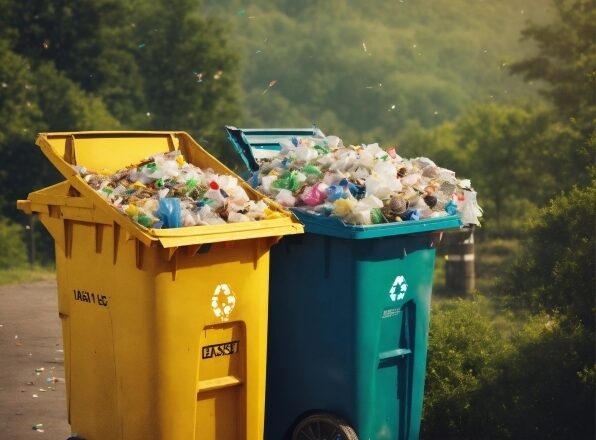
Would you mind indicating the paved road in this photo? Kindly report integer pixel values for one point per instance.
(30, 339)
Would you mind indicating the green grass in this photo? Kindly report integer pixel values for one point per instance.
(24, 275)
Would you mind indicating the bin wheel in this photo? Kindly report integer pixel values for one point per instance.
(323, 427)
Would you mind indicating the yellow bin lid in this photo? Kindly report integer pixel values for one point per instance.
(109, 151)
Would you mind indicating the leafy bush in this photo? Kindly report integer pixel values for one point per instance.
(538, 383)
(463, 345)
(13, 252)
(555, 270)
(544, 388)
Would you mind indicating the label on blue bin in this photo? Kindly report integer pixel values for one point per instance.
(398, 289)
(390, 313)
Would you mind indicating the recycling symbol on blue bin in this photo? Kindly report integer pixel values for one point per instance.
(400, 286)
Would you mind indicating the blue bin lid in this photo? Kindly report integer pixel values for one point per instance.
(260, 143)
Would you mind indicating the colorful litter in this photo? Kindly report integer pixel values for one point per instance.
(360, 184)
(164, 191)
(363, 184)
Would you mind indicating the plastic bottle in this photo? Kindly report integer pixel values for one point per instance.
(214, 195)
(256, 210)
(376, 216)
(209, 217)
(344, 160)
(190, 218)
(357, 191)
(291, 180)
(312, 173)
(54, 379)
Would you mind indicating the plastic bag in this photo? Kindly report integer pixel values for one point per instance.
(169, 212)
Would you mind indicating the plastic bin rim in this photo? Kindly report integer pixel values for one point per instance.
(333, 226)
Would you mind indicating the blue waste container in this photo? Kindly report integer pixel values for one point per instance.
(348, 320)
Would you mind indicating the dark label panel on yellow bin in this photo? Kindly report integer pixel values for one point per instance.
(225, 349)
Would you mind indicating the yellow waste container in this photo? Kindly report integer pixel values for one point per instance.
(149, 353)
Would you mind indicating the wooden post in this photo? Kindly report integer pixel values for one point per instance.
(458, 249)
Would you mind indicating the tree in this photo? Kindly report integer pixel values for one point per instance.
(566, 62)
(556, 270)
(497, 139)
(376, 65)
(54, 104)
(86, 65)
(189, 71)
(503, 151)
(91, 42)
(106, 65)
(18, 103)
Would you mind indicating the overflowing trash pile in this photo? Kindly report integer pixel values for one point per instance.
(164, 191)
(363, 184)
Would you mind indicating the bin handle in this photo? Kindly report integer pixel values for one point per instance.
(25, 206)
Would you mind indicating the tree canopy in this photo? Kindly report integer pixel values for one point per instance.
(566, 60)
(107, 65)
(363, 70)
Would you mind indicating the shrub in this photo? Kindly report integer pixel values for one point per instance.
(544, 388)
(13, 252)
(463, 346)
(556, 269)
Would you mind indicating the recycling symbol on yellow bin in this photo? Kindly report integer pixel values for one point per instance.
(223, 301)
